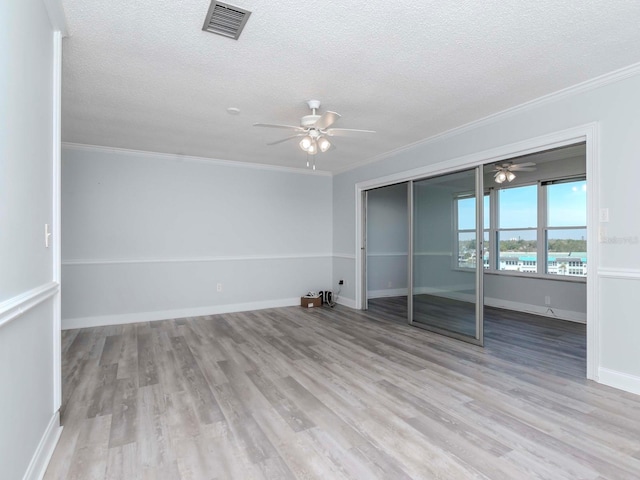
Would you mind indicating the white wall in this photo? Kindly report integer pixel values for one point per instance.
(29, 423)
(612, 104)
(149, 236)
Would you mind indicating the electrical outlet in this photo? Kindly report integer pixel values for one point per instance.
(219, 287)
(340, 282)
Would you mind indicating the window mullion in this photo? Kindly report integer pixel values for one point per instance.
(494, 254)
(541, 230)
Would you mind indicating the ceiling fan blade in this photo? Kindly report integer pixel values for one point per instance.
(517, 168)
(274, 125)
(286, 139)
(525, 164)
(326, 120)
(341, 132)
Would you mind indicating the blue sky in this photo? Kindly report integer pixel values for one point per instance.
(567, 204)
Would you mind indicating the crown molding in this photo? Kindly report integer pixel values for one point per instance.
(192, 159)
(586, 86)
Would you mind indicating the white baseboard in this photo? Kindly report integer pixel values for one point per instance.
(544, 311)
(347, 302)
(541, 310)
(40, 460)
(620, 380)
(387, 292)
(125, 318)
(120, 319)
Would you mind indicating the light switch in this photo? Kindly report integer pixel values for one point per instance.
(47, 235)
(604, 214)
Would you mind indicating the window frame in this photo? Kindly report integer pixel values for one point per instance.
(544, 185)
(456, 231)
(542, 229)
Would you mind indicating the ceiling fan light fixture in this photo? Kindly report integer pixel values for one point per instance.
(313, 148)
(501, 176)
(305, 143)
(324, 144)
(314, 130)
(510, 175)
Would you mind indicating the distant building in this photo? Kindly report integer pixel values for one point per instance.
(570, 264)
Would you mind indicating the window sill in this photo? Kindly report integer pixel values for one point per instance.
(538, 276)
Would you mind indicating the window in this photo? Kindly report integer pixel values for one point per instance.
(566, 229)
(537, 229)
(517, 229)
(466, 231)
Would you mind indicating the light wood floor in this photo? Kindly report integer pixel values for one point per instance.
(335, 393)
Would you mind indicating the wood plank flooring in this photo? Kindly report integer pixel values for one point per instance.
(296, 393)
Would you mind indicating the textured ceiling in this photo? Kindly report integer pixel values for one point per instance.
(142, 75)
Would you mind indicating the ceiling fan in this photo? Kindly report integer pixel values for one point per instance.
(314, 130)
(504, 171)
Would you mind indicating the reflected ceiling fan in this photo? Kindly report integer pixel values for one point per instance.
(504, 171)
(314, 130)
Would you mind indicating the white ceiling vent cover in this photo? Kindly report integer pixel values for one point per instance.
(225, 20)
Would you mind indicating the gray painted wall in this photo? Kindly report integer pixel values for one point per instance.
(151, 236)
(26, 141)
(613, 107)
(387, 242)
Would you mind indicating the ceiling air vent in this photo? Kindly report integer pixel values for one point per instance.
(225, 20)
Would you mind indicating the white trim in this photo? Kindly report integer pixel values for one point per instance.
(387, 292)
(387, 254)
(193, 159)
(40, 460)
(586, 86)
(544, 311)
(232, 258)
(347, 302)
(454, 292)
(346, 256)
(57, 18)
(56, 214)
(620, 380)
(541, 310)
(592, 139)
(360, 237)
(559, 139)
(20, 304)
(126, 318)
(531, 275)
(619, 273)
